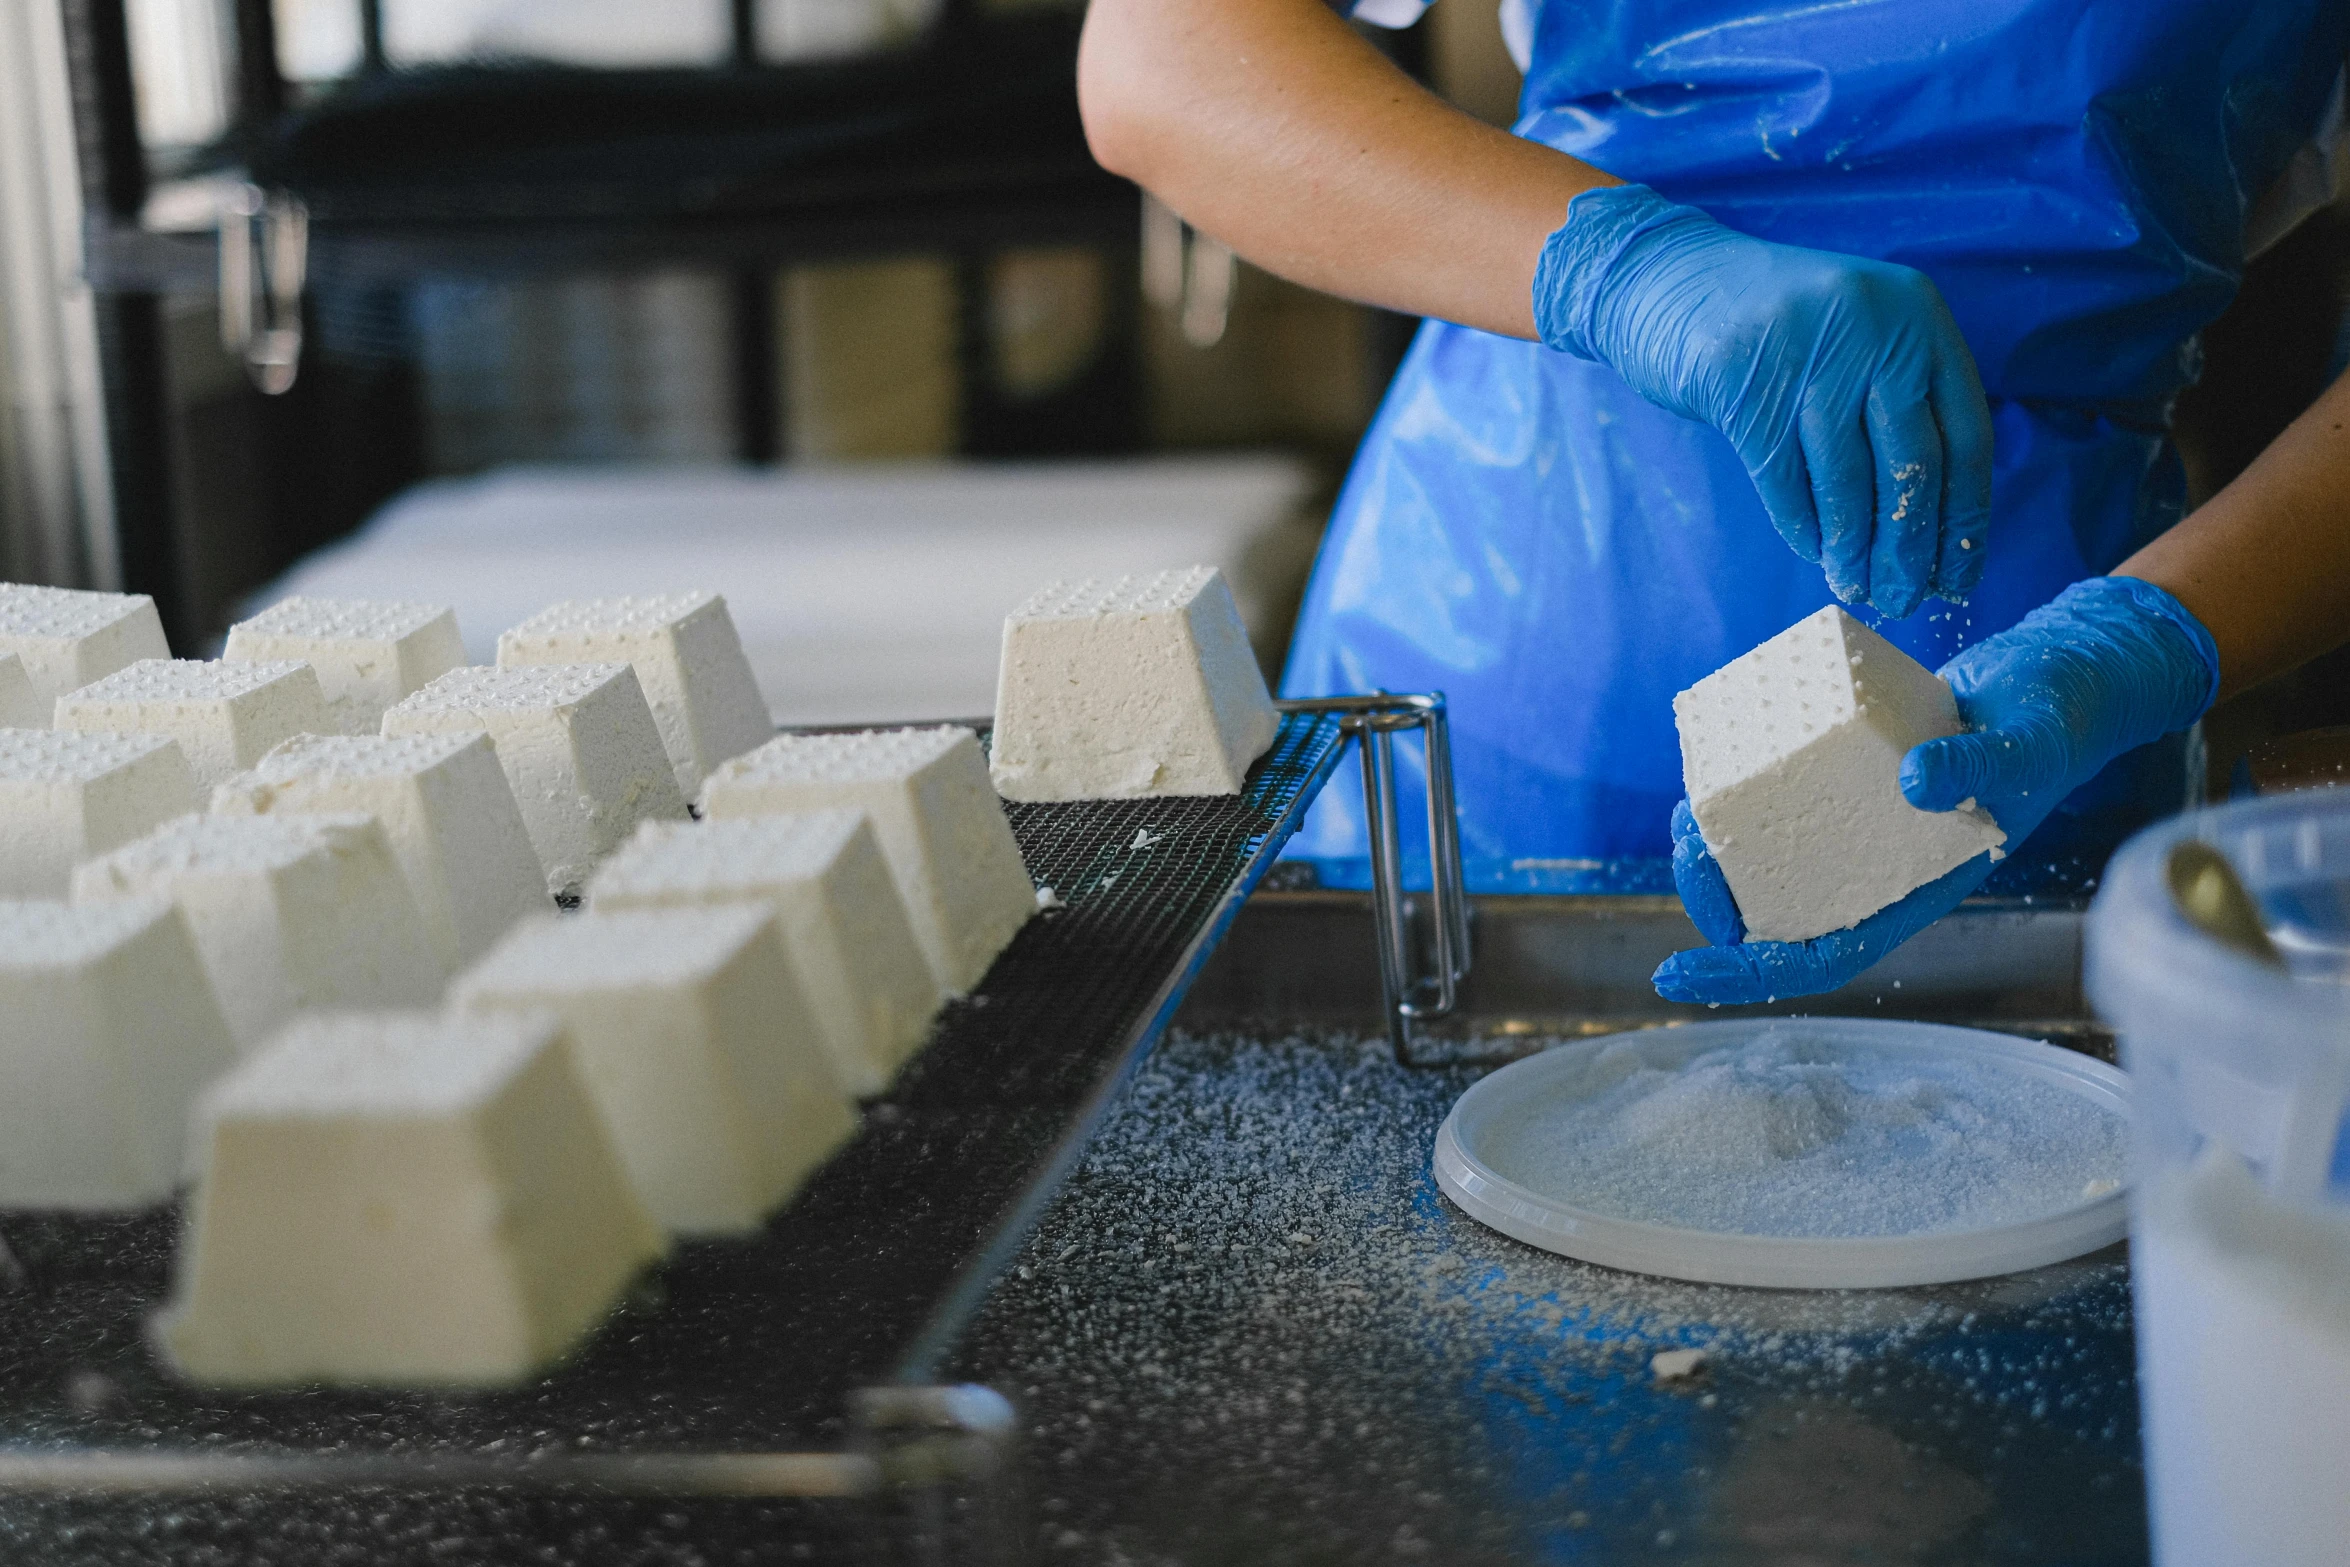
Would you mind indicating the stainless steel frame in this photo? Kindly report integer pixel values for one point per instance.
(1374, 722)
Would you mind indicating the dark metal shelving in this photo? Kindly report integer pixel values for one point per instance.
(959, 144)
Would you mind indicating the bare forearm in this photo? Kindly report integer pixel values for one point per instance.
(1269, 124)
(2265, 563)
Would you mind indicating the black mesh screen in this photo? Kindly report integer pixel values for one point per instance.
(733, 1344)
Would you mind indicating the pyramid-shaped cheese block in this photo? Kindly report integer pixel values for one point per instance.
(224, 716)
(21, 707)
(695, 1044)
(289, 912)
(399, 1199)
(446, 807)
(686, 655)
(68, 638)
(1135, 686)
(65, 797)
(941, 828)
(1792, 758)
(368, 653)
(869, 988)
(108, 1028)
(579, 748)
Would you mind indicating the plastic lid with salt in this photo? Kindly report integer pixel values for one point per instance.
(1800, 1153)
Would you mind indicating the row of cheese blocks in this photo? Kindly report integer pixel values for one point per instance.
(1137, 686)
(604, 712)
(400, 1196)
(892, 868)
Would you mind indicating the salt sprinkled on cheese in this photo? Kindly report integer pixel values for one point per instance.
(843, 923)
(578, 746)
(288, 912)
(446, 807)
(687, 656)
(368, 653)
(68, 638)
(108, 1028)
(1136, 686)
(21, 706)
(224, 716)
(941, 828)
(401, 1199)
(695, 1044)
(1792, 758)
(65, 797)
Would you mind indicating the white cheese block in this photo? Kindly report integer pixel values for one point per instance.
(368, 653)
(844, 926)
(65, 797)
(686, 655)
(68, 638)
(943, 831)
(224, 716)
(21, 706)
(401, 1199)
(289, 913)
(108, 1028)
(1132, 686)
(1792, 758)
(579, 748)
(446, 807)
(695, 1044)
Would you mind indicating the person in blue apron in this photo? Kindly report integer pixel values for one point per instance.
(1763, 307)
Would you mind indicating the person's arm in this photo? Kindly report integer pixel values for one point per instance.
(1272, 126)
(1842, 382)
(2265, 563)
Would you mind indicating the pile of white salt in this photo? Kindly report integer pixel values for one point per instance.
(1794, 1134)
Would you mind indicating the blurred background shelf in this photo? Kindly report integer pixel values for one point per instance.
(666, 234)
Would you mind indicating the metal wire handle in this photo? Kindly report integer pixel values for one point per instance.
(1374, 721)
(261, 281)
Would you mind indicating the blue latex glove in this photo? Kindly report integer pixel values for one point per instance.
(1842, 382)
(2109, 665)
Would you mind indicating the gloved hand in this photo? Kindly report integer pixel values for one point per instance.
(2108, 665)
(1842, 382)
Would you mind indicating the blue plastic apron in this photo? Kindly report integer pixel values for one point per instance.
(1526, 534)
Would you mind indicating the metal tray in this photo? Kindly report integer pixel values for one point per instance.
(780, 1367)
(1250, 1330)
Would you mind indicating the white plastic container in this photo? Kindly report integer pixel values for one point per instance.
(2240, 1224)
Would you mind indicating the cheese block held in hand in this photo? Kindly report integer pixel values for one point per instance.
(368, 653)
(578, 746)
(68, 638)
(1136, 686)
(65, 797)
(1792, 758)
(950, 848)
(289, 912)
(694, 1042)
(224, 716)
(398, 1199)
(445, 806)
(108, 1028)
(686, 655)
(844, 926)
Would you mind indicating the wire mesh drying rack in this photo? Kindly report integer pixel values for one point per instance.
(798, 1363)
